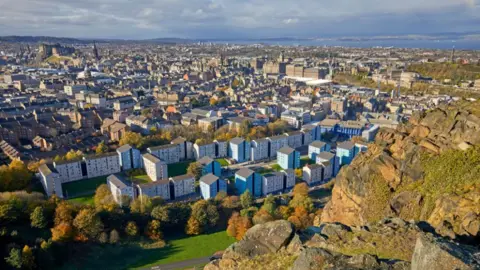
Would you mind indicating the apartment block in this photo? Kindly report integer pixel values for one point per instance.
(275, 143)
(288, 158)
(130, 158)
(204, 150)
(169, 153)
(239, 149)
(259, 149)
(316, 148)
(155, 168)
(50, 180)
(160, 188)
(211, 185)
(69, 171)
(100, 165)
(246, 179)
(295, 139)
(313, 174)
(183, 186)
(120, 187)
(185, 148)
(210, 165)
(221, 149)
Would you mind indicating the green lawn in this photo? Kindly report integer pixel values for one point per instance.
(87, 200)
(141, 179)
(264, 170)
(134, 256)
(277, 167)
(223, 162)
(306, 160)
(177, 169)
(83, 187)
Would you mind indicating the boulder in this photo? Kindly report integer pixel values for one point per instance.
(262, 239)
(312, 259)
(436, 253)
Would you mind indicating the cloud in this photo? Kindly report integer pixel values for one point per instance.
(234, 18)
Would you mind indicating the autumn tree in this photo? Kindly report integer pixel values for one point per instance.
(300, 198)
(153, 230)
(300, 218)
(32, 166)
(88, 223)
(14, 258)
(63, 213)
(193, 227)
(103, 199)
(28, 260)
(283, 212)
(101, 148)
(103, 238)
(142, 204)
(246, 199)
(238, 225)
(62, 232)
(15, 176)
(269, 204)
(195, 169)
(37, 218)
(131, 229)
(73, 155)
(262, 216)
(131, 138)
(206, 214)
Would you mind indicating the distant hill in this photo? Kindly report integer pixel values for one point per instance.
(39, 39)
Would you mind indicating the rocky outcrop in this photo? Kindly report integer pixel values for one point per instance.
(435, 253)
(399, 174)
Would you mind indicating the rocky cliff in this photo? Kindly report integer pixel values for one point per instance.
(426, 170)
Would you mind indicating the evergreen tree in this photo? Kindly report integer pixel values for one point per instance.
(37, 218)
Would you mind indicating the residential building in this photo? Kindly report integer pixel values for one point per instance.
(160, 188)
(339, 105)
(288, 158)
(328, 170)
(50, 180)
(333, 160)
(182, 186)
(317, 147)
(313, 174)
(350, 128)
(169, 153)
(346, 152)
(204, 150)
(186, 148)
(246, 179)
(259, 149)
(210, 123)
(210, 165)
(295, 139)
(221, 148)
(328, 125)
(278, 181)
(370, 133)
(310, 133)
(275, 143)
(288, 179)
(100, 165)
(239, 149)
(130, 158)
(120, 187)
(211, 185)
(69, 171)
(155, 168)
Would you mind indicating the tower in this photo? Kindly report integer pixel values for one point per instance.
(453, 55)
(95, 51)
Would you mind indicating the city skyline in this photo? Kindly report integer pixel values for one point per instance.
(236, 19)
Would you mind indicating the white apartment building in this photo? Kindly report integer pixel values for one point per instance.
(272, 182)
(100, 165)
(169, 153)
(221, 149)
(313, 174)
(183, 185)
(289, 175)
(185, 148)
(155, 168)
(204, 150)
(160, 188)
(119, 187)
(276, 142)
(50, 180)
(295, 139)
(259, 149)
(69, 171)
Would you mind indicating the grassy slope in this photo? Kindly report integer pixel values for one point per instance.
(177, 169)
(83, 187)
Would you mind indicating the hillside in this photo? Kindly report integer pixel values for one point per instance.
(412, 201)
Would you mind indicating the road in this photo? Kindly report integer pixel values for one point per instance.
(180, 265)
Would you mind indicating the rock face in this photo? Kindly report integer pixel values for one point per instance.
(435, 253)
(396, 176)
(262, 239)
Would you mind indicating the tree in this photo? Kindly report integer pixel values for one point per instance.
(153, 230)
(131, 138)
(195, 169)
(62, 232)
(114, 237)
(238, 226)
(33, 165)
(213, 102)
(88, 223)
(142, 204)
(222, 195)
(101, 148)
(131, 229)
(14, 258)
(15, 176)
(193, 227)
(103, 238)
(283, 212)
(262, 216)
(37, 218)
(74, 155)
(300, 197)
(269, 204)
(246, 199)
(103, 199)
(28, 260)
(300, 218)
(63, 213)
(300, 189)
(161, 213)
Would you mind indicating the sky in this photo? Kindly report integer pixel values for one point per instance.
(146, 19)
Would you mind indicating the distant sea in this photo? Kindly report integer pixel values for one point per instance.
(397, 43)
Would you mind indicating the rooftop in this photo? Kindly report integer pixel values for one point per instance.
(286, 150)
(209, 179)
(244, 172)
